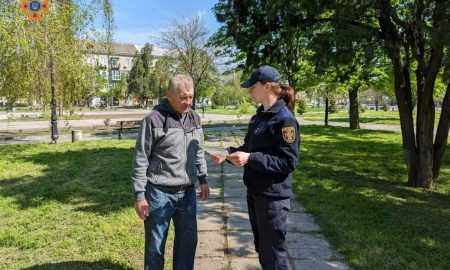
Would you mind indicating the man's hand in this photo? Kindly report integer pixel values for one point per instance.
(142, 209)
(217, 158)
(204, 192)
(239, 158)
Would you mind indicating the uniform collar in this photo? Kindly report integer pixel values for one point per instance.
(273, 109)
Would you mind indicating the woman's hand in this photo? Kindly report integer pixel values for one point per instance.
(238, 158)
(217, 158)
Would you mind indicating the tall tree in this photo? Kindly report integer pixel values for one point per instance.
(163, 70)
(411, 33)
(187, 40)
(140, 78)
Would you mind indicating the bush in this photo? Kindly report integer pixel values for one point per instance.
(332, 107)
(244, 108)
(301, 106)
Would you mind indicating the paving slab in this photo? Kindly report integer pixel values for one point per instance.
(245, 264)
(235, 193)
(236, 204)
(208, 263)
(304, 246)
(296, 206)
(238, 221)
(301, 222)
(210, 221)
(210, 244)
(215, 192)
(233, 183)
(240, 244)
(319, 265)
(210, 205)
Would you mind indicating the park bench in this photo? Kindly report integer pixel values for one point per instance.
(127, 124)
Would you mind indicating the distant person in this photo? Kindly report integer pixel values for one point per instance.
(167, 162)
(269, 156)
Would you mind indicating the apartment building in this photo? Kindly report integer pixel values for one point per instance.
(120, 62)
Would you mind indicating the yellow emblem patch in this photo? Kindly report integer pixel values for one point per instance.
(288, 134)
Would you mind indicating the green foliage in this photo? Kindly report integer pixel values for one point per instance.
(245, 107)
(229, 92)
(332, 106)
(301, 106)
(141, 76)
(28, 49)
(162, 72)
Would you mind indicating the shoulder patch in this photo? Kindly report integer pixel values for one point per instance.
(288, 134)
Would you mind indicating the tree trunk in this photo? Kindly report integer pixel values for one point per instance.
(440, 143)
(425, 118)
(354, 108)
(376, 102)
(403, 94)
(326, 111)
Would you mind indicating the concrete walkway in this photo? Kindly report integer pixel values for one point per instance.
(29, 125)
(225, 236)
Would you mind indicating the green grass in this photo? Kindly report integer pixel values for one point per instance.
(369, 116)
(353, 182)
(223, 111)
(69, 206)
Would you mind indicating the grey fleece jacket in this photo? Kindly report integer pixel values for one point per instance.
(168, 153)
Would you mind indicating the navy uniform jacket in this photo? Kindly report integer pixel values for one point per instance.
(273, 142)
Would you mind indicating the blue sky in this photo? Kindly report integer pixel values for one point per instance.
(140, 21)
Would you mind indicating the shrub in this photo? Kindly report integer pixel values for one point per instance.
(301, 106)
(332, 107)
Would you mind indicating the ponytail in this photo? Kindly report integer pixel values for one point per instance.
(287, 94)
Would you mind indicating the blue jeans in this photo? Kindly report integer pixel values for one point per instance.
(165, 205)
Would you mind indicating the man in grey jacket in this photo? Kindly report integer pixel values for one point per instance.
(168, 160)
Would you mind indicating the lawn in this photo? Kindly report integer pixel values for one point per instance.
(353, 182)
(369, 116)
(69, 207)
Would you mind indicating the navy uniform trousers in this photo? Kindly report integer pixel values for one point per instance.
(268, 218)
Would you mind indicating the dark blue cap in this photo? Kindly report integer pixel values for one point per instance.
(262, 74)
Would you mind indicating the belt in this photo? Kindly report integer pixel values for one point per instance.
(173, 189)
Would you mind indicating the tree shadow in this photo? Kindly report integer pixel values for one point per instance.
(92, 180)
(368, 120)
(78, 265)
(354, 183)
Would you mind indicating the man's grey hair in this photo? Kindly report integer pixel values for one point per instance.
(180, 81)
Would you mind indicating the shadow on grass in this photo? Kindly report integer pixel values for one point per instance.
(79, 265)
(354, 182)
(370, 120)
(90, 178)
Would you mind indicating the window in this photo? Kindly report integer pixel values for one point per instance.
(103, 61)
(114, 62)
(115, 75)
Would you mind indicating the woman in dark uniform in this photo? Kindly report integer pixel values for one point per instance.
(269, 156)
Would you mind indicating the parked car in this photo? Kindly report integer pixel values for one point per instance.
(200, 105)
